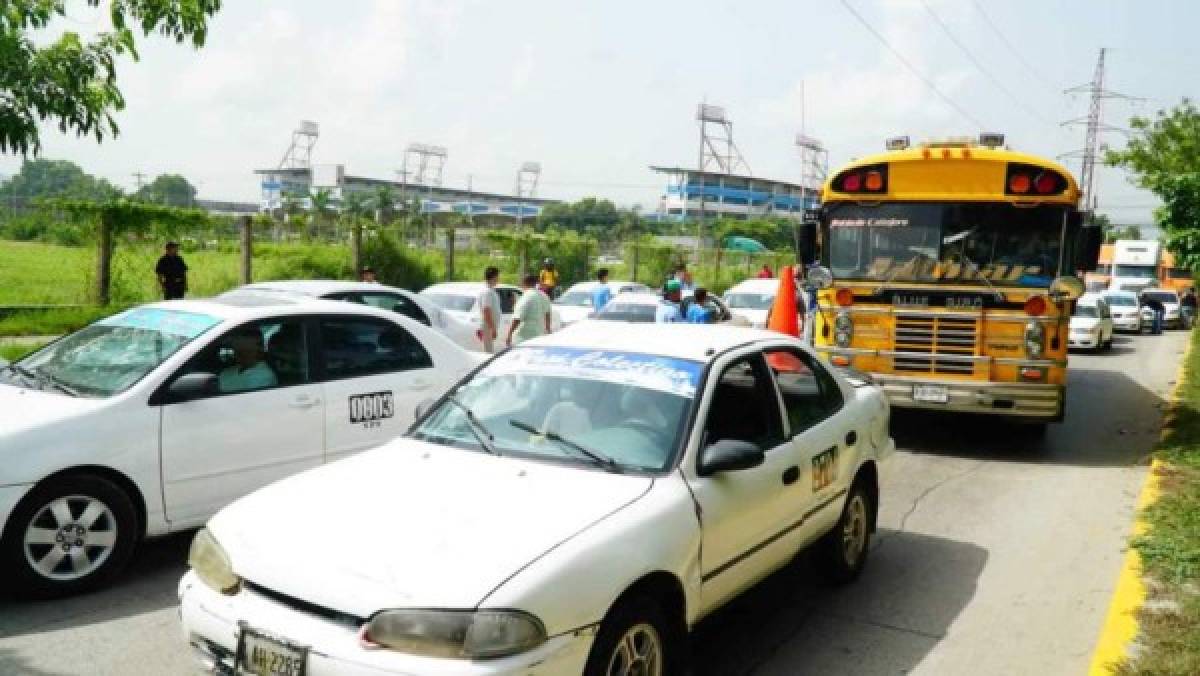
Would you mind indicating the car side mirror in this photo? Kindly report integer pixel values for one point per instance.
(729, 455)
(192, 386)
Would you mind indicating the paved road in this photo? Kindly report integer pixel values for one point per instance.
(996, 555)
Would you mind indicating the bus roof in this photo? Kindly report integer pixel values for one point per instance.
(951, 172)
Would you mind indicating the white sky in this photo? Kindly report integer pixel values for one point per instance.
(597, 91)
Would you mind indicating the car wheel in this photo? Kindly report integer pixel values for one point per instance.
(843, 551)
(634, 640)
(69, 535)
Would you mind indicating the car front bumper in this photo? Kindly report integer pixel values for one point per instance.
(1130, 323)
(211, 624)
(1083, 340)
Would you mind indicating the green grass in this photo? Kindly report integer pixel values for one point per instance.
(15, 352)
(52, 322)
(1170, 549)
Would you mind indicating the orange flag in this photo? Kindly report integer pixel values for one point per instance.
(783, 312)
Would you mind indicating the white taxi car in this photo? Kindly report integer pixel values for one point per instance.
(149, 421)
(1125, 310)
(1091, 323)
(576, 302)
(575, 506)
(752, 300)
(461, 299)
(403, 301)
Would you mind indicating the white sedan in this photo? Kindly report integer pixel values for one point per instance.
(1125, 310)
(403, 301)
(642, 307)
(576, 506)
(461, 299)
(752, 300)
(576, 303)
(149, 421)
(1091, 323)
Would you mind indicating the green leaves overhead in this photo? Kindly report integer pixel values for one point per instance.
(71, 81)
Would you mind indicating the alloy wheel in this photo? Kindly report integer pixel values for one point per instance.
(854, 532)
(638, 653)
(70, 538)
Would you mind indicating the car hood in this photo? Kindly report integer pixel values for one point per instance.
(23, 409)
(1084, 322)
(569, 314)
(757, 318)
(412, 524)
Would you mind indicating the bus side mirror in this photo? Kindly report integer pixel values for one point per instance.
(807, 242)
(1091, 239)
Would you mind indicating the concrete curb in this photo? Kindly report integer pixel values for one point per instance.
(1121, 624)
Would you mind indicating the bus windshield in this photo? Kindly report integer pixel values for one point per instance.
(1136, 271)
(960, 243)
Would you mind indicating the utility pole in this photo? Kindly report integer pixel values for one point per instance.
(140, 180)
(1095, 127)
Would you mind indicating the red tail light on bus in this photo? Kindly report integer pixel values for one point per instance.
(1027, 179)
(870, 180)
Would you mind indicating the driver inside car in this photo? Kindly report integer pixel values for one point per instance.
(249, 370)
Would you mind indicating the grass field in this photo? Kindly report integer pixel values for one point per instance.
(15, 352)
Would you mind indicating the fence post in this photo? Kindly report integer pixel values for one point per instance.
(247, 249)
(636, 249)
(104, 251)
(450, 252)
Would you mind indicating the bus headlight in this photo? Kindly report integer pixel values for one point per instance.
(1035, 339)
(843, 329)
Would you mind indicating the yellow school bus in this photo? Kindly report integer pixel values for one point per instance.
(949, 272)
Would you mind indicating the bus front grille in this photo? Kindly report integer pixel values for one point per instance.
(935, 344)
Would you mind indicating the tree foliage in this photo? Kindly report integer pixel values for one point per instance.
(41, 178)
(169, 189)
(590, 216)
(71, 80)
(1163, 147)
(1179, 216)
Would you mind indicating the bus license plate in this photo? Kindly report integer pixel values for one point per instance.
(263, 655)
(932, 394)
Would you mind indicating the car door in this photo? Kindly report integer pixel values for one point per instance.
(374, 374)
(821, 435)
(743, 513)
(266, 421)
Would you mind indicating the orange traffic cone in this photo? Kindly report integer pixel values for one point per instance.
(783, 311)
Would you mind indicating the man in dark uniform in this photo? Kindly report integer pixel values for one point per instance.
(172, 273)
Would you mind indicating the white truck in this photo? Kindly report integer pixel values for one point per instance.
(1135, 264)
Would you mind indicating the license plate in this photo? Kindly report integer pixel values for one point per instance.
(263, 655)
(933, 394)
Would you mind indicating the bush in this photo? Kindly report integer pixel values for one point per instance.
(397, 265)
(304, 262)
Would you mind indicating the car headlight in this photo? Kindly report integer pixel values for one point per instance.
(212, 564)
(456, 633)
(843, 329)
(1035, 339)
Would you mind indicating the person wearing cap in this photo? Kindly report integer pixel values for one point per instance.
(548, 277)
(367, 275)
(172, 272)
(668, 309)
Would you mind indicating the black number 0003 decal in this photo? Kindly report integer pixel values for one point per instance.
(373, 406)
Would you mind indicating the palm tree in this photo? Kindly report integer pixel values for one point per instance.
(384, 202)
(323, 209)
(355, 207)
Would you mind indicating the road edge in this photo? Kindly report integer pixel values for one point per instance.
(1120, 623)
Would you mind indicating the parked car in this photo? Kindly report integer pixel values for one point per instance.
(1172, 308)
(641, 308)
(405, 302)
(1125, 310)
(147, 422)
(460, 299)
(576, 303)
(752, 300)
(576, 506)
(1091, 323)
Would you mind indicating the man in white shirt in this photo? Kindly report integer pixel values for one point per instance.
(531, 316)
(489, 310)
(249, 371)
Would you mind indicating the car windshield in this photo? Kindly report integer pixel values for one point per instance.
(454, 302)
(628, 312)
(111, 355)
(962, 243)
(1136, 271)
(1123, 301)
(575, 299)
(1086, 311)
(628, 407)
(749, 301)
(1161, 296)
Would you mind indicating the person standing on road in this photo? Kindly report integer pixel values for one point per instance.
(1156, 305)
(668, 309)
(1188, 304)
(601, 294)
(531, 316)
(548, 277)
(172, 273)
(489, 309)
(698, 312)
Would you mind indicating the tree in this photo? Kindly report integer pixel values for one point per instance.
(384, 203)
(1179, 217)
(72, 81)
(355, 208)
(40, 178)
(169, 189)
(1161, 148)
(118, 216)
(598, 218)
(323, 209)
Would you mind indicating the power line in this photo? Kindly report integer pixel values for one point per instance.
(971, 57)
(1020, 57)
(911, 68)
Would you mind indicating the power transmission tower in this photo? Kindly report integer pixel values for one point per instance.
(527, 182)
(814, 157)
(716, 141)
(1095, 127)
(140, 180)
(299, 153)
